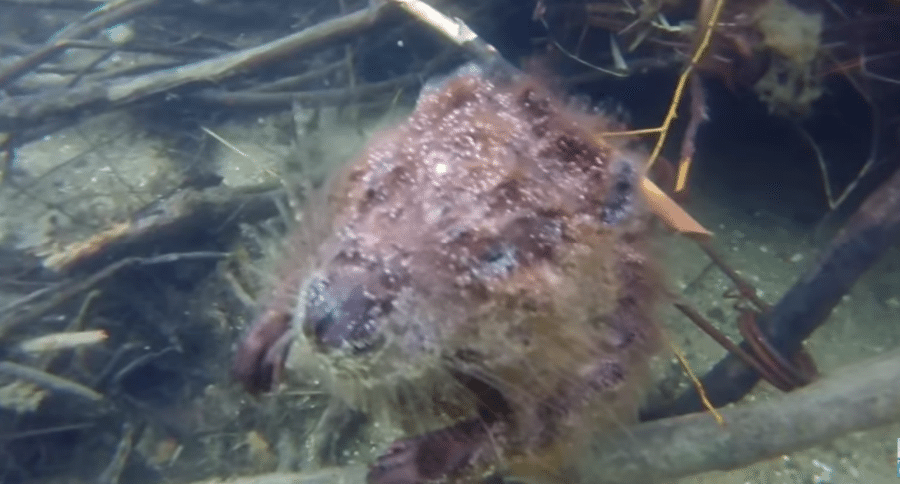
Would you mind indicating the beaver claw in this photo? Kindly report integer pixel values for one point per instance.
(430, 456)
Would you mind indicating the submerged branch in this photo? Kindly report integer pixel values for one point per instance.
(98, 19)
(807, 304)
(861, 396)
(49, 381)
(352, 474)
(31, 109)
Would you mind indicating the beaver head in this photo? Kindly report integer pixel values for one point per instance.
(485, 260)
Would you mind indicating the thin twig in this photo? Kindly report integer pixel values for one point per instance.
(323, 96)
(65, 291)
(699, 52)
(292, 82)
(873, 140)
(84, 71)
(679, 355)
(725, 342)
(169, 50)
(692, 286)
(823, 167)
(30, 109)
(114, 469)
(139, 362)
(745, 288)
(218, 68)
(688, 142)
(575, 57)
(88, 25)
(46, 431)
(49, 381)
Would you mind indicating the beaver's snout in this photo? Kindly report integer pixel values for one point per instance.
(342, 315)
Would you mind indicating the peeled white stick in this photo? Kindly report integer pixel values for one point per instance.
(64, 340)
(454, 29)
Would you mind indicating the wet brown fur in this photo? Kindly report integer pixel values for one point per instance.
(490, 222)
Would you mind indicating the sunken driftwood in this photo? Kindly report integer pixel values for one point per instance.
(97, 19)
(353, 474)
(185, 215)
(859, 397)
(28, 110)
(175, 225)
(806, 306)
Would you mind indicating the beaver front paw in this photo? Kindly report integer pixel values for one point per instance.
(431, 456)
(260, 355)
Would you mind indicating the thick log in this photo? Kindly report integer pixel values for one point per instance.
(862, 396)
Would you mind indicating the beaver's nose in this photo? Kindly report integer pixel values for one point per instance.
(342, 315)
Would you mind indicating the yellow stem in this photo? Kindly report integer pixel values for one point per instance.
(682, 81)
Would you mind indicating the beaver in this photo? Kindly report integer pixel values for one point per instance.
(483, 281)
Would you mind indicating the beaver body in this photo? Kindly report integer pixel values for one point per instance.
(484, 282)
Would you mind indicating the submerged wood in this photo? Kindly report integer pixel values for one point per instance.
(384, 90)
(804, 307)
(30, 308)
(176, 225)
(352, 474)
(862, 396)
(50, 381)
(26, 110)
(176, 222)
(98, 19)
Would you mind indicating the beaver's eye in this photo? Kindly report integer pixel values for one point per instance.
(360, 315)
(319, 312)
(620, 199)
(498, 261)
